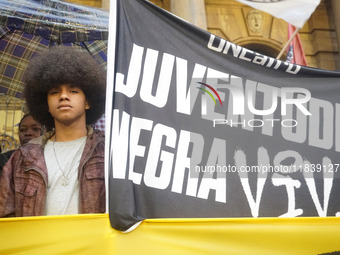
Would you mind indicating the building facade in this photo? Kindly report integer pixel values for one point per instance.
(261, 32)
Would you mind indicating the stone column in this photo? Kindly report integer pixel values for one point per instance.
(191, 10)
(106, 4)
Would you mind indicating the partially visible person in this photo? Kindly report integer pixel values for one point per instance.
(28, 128)
(100, 124)
(61, 172)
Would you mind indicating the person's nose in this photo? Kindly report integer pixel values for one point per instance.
(64, 95)
(28, 133)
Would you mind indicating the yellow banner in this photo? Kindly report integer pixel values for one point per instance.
(92, 234)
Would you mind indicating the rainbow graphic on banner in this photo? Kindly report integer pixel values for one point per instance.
(209, 93)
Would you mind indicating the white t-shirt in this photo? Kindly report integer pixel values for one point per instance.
(63, 197)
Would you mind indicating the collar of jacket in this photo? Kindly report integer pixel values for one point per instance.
(42, 140)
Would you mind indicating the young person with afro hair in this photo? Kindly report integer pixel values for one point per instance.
(62, 171)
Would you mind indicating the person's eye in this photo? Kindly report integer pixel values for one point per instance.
(54, 92)
(74, 91)
(22, 130)
(37, 129)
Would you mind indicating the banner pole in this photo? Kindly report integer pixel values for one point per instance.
(110, 81)
(287, 43)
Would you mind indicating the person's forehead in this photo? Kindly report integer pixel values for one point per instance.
(31, 124)
(66, 86)
(29, 121)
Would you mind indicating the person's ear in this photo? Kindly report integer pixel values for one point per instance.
(87, 106)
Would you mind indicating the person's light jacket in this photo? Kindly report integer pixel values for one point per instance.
(24, 179)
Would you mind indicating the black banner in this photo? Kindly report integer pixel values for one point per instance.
(202, 127)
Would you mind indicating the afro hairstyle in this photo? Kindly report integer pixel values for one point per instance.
(64, 65)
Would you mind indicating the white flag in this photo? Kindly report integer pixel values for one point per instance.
(295, 12)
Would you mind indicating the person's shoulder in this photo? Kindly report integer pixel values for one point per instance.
(99, 133)
(32, 144)
(98, 137)
(95, 134)
(33, 148)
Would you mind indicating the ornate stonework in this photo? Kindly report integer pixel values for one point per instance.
(254, 20)
(239, 24)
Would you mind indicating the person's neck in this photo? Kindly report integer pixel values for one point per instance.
(68, 133)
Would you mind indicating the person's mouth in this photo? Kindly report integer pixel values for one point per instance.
(64, 107)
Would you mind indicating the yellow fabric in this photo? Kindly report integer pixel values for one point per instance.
(92, 234)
